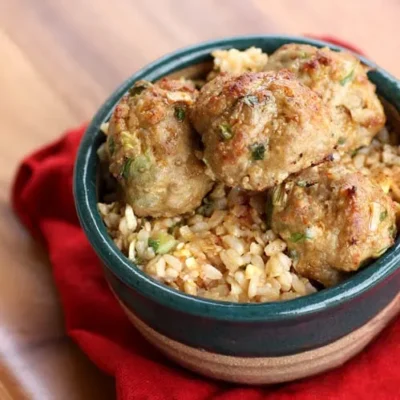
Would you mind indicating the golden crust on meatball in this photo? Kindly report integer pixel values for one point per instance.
(341, 81)
(152, 148)
(333, 219)
(257, 128)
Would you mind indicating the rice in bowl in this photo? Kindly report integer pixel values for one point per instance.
(224, 250)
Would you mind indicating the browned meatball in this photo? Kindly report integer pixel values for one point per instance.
(257, 128)
(341, 81)
(333, 219)
(152, 149)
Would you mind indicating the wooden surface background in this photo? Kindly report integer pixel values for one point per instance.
(59, 60)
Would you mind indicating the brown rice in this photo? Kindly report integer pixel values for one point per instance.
(223, 250)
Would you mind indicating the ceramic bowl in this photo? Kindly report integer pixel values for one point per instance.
(247, 343)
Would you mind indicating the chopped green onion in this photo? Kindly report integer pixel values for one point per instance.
(250, 100)
(126, 168)
(111, 145)
(297, 237)
(154, 244)
(135, 90)
(301, 183)
(349, 77)
(162, 242)
(383, 215)
(342, 140)
(180, 113)
(257, 151)
(225, 132)
(141, 164)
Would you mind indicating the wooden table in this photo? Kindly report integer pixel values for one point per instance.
(59, 61)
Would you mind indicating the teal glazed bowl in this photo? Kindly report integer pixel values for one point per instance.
(247, 343)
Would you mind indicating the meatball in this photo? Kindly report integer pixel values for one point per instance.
(333, 219)
(342, 83)
(257, 128)
(152, 148)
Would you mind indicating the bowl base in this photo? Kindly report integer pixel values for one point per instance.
(268, 370)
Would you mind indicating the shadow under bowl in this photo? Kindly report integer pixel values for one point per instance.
(247, 343)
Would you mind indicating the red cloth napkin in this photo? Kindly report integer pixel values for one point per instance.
(42, 198)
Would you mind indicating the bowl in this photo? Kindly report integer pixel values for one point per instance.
(246, 343)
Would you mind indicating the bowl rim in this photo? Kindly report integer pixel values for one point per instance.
(86, 204)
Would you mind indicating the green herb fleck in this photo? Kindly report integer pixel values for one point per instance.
(154, 244)
(354, 153)
(135, 90)
(301, 183)
(250, 100)
(342, 140)
(393, 231)
(162, 242)
(180, 113)
(111, 145)
(225, 132)
(349, 77)
(137, 165)
(303, 54)
(297, 237)
(126, 168)
(383, 215)
(257, 151)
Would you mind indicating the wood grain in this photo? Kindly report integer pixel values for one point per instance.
(60, 60)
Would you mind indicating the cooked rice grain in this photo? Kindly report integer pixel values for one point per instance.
(226, 256)
(223, 250)
(380, 161)
(237, 62)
